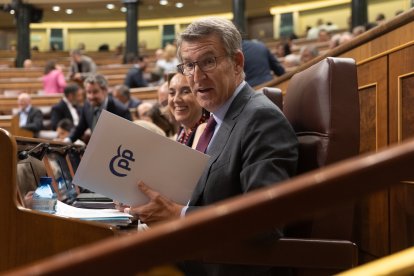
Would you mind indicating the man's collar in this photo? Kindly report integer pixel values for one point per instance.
(220, 113)
(27, 109)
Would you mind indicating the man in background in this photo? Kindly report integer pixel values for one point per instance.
(30, 117)
(67, 107)
(162, 94)
(96, 88)
(135, 76)
(259, 63)
(122, 93)
(81, 66)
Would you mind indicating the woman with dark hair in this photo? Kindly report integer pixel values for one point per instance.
(160, 119)
(185, 109)
(53, 78)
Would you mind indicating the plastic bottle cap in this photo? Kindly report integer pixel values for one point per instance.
(45, 179)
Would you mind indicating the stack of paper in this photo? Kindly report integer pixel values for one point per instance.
(109, 216)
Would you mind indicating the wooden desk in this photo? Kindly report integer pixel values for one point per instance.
(28, 235)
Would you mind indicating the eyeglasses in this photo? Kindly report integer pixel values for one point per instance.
(205, 64)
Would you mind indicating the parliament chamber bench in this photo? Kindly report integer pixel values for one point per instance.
(8, 107)
(37, 72)
(39, 59)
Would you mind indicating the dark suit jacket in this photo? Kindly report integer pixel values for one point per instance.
(34, 121)
(60, 111)
(133, 103)
(259, 62)
(135, 78)
(85, 120)
(254, 147)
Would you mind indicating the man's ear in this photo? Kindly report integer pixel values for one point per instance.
(239, 61)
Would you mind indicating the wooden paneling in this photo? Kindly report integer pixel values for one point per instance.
(368, 127)
(401, 125)
(407, 104)
(371, 219)
(373, 84)
(401, 74)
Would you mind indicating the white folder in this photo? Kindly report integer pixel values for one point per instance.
(121, 153)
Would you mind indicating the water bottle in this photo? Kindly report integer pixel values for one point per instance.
(44, 198)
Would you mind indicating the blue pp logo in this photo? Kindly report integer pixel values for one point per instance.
(119, 165)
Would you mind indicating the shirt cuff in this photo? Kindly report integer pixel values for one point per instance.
(183, 211)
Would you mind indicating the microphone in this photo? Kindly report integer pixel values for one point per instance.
(34, 152)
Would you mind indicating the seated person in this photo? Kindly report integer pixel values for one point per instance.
(53, 78)
(67, 107)
(162, 94)
(121, 92)
(96, 88)
(186, 110)
(135, 76)
(81, 66)
(308, 53)
(252, 145)
(30, 117)
(63, 130)
(260, 65)
(27, 64)
(156, 116)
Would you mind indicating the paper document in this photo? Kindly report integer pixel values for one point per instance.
(121, 153)
(65, 210)
(107, 216)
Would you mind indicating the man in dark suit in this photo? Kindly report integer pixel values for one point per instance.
(259, 63)
(253, 144)
(135, 76)
(30, 118)
(66, 108)
(96, 88)
(122, 93)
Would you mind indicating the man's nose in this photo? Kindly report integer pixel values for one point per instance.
(198, 73)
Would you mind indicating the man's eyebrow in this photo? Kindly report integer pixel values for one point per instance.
(208, 53)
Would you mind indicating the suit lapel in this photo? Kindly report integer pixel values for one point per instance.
(88, 110)
(221, 138)
(66, 110)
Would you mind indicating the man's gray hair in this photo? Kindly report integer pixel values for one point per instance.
(204, 27)
(98, 79)
(123, 90)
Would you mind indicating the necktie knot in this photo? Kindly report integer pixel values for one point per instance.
(206, 135)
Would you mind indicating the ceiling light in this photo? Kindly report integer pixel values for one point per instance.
(163, 2)
(110, 6)
(12, 11)
(55, 8)
(69, 11)
(123, 9)
(179, 5)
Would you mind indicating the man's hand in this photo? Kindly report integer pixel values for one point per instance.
(158, 209)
